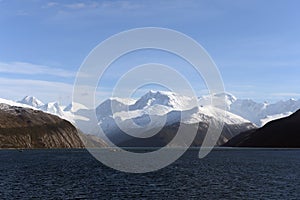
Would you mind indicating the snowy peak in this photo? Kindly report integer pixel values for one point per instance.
(229, 98)
(13, 103)
(261, 113)
(290, 105)
(74, 107)
(52, 108)
(164, 98)
(219, 99)
(160, 103)
(31, 101)
(107, 107)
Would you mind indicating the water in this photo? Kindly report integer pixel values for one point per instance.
(224, 174)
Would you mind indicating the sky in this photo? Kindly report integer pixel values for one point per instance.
(255, 44)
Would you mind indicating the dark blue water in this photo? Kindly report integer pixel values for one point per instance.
(224, 174)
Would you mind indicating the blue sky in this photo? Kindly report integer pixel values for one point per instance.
(255, 44)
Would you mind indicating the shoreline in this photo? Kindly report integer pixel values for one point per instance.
(156, 148)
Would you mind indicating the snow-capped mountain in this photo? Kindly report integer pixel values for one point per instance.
(153, 104)
(198, 114)
(161, 109)
(257, 113)
(112, 105)
(261, 113)
(164, 98)
(162, 102)
(31, 101)
(58, 110)
(218, 100)
(13, 103)
(53, 108)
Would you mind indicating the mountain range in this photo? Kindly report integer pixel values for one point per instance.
(255, 112)
(166, 110)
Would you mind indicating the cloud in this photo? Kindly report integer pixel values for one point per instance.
(51, 4)
(77, 5)
(14, 89)
(47, 91)
(32, 69)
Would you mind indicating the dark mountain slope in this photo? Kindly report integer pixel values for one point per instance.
(167, 133)
(284, 132)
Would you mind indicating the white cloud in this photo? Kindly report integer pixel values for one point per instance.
(52, 4)
(15, 89)
(31, 69)
(47, 91)
(76, 5)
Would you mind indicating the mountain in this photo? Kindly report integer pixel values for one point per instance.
(27, 128)
(13, 103)
(92, 141)
(261, 113)
(112, 105)
(163, 109)
(31, 101)
(249, 109)
(257, 113)
(284, 132)
(218, 100)
(167, 133)
(53, 108)
(68, 108)
(161, 102)
(163, 98)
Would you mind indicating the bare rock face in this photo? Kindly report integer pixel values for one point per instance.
(28, 128)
